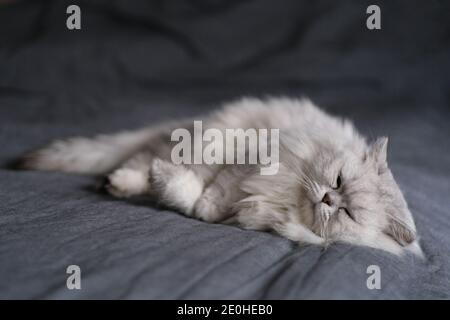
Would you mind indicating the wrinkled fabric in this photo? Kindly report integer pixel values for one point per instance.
(135, 63)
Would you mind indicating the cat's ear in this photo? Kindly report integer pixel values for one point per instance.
(378, 154)
(400, 232)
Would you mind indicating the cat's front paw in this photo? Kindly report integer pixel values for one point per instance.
(209, 208)
(175, 185)
(125, 182)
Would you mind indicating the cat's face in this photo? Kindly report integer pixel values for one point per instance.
(351, 197)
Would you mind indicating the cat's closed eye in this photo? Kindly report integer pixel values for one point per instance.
(348, 213)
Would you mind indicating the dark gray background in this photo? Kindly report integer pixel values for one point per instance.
(140, 62)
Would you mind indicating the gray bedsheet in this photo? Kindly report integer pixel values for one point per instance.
(140, 62)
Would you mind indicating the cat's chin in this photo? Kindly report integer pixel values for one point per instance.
(309, 214)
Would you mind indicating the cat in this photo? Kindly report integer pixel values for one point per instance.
(331, 185)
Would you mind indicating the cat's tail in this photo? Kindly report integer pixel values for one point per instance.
(97, 155)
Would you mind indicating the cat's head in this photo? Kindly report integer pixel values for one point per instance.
(351, 196)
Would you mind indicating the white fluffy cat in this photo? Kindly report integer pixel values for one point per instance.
(331, 185)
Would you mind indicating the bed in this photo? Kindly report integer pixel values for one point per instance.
(137, 63)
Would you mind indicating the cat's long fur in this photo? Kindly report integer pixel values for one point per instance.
(319, 155)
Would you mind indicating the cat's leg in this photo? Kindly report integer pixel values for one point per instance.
(216, 202)
(152, 172)
(132, 178)
(175, 185)
(204, 192)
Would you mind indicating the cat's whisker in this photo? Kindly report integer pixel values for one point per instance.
(324, 219)
(316, 187)
(307, 181)
(305, 184)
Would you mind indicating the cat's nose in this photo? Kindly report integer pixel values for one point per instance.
(327, 199)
